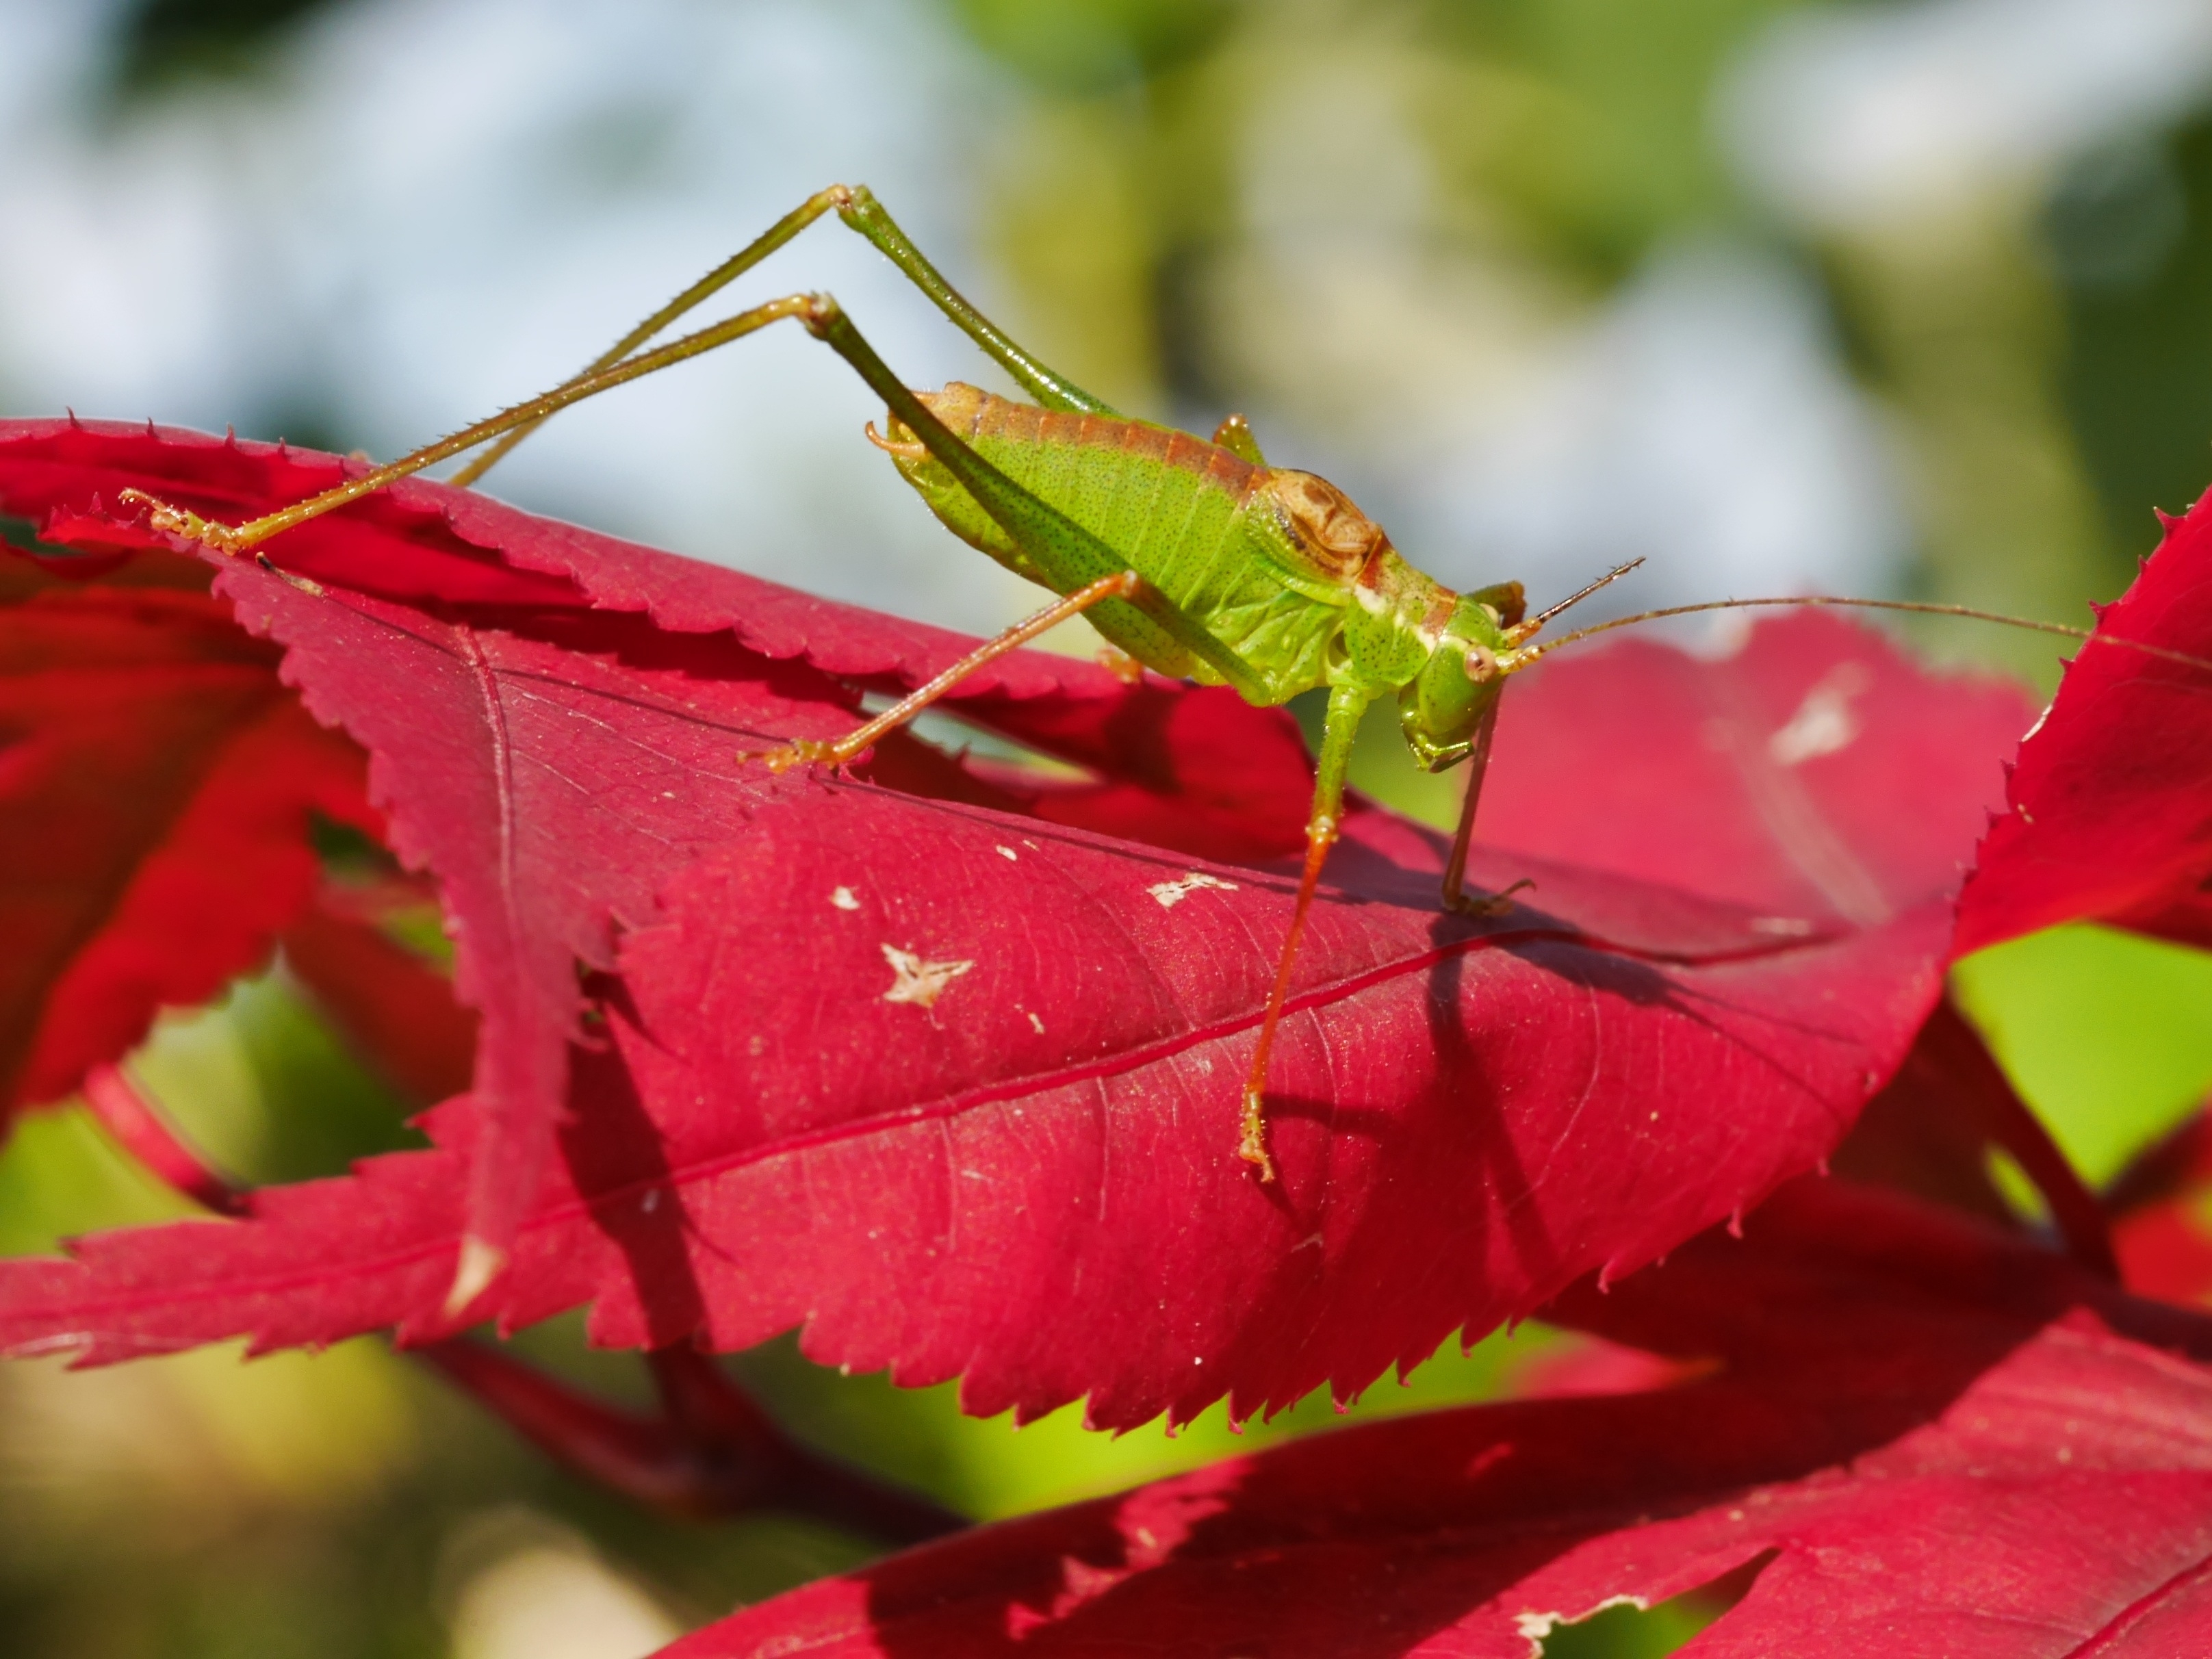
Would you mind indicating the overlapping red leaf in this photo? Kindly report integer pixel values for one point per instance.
(476, 789)
(156, 783)
(2110, 812)
(950, 1079)
(1794, 777)
(1939, 1440)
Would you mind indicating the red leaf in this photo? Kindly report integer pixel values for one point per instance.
(1935, 1431)
(2158, 1209)
(399, 1012)
(1815, 775)
(1931, 1131)
(1031, 1180)
(509, 750)
(156, 784)
(2112, 801)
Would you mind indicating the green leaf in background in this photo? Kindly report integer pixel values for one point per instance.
(2107, 1035)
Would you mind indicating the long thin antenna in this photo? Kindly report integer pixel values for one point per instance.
(1528, 654)
(1530, 627)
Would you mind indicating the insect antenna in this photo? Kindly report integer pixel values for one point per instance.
(1529, 653)
(1527, 629)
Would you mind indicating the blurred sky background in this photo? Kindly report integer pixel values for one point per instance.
(1896, 298)
(1904, 298)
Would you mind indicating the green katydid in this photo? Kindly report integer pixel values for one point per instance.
(1194, 557)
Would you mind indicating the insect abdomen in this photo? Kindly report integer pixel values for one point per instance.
(1171, 505)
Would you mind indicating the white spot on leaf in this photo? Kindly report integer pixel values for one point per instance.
(1009, 854)
(917, 982)
(1037, 1024)
(1172, 893)
(843, 899)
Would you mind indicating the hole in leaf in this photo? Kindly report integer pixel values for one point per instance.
(1628, 1632)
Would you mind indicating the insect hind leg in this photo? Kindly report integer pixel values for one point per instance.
(243, 537)
(856, 206)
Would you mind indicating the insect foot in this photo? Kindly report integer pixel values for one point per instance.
(1252, 1148)
(1486, 904)
(800, 751)
(177, 521)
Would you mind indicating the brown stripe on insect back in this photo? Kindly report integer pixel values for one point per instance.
(973, 413)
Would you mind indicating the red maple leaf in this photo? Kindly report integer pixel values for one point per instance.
(156, 784)
(1936, 1439)
(463, 620)
(2110, 814)
(950, 1078)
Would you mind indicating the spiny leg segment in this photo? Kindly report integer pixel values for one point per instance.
(856, 205)
(243, 537)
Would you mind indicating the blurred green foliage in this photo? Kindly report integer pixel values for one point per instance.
(1091, 46)
(161, 43)
(1607, 147)
(2131, 232)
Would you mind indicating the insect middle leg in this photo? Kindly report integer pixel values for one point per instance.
(1347, 704)
(1125, 584)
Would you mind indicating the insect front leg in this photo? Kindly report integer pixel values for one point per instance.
(1457, 898)
(1347, 704)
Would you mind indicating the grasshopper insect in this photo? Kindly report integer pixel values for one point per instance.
(1196, 558)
